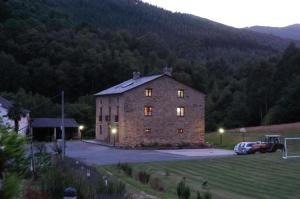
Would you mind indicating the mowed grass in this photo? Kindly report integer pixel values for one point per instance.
(230, 139)
(259, 176)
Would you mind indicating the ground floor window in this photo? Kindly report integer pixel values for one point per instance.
(147, 130)
(180, 131)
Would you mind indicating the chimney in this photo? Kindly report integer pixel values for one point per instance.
(168, 71)
(136, 75)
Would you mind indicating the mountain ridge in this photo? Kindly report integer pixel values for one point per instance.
(287, 32)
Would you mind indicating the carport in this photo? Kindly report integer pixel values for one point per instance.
(49, 129)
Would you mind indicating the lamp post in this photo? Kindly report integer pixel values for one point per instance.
(221, 131)
(243, 131)
(114, 132)
(81, 128)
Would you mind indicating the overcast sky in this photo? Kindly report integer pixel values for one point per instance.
(238, 13)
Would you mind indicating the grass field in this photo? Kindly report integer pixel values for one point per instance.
(230, 139)
(259, 176)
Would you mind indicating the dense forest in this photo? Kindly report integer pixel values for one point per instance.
(84, 46)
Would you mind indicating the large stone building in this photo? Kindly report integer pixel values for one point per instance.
(151, 110)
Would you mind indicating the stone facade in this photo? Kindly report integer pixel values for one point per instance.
(125, 111)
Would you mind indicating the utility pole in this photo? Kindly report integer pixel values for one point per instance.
(63, 124)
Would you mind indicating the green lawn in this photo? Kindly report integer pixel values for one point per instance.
(259, 176)
(230, 139)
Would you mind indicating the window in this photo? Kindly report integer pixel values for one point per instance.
(100, 129)
(148, 111)
(117, 115)
(180, 111)
(180, 93)
(100, 115)
(147, 130)
(116, 118)
(179, 131)
(148, 92)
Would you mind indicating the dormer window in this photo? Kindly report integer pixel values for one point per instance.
(148, 92)
(180, 93)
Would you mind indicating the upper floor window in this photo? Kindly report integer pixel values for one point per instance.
(180, 93)
(180, 111)
(148, 111)
(148, 92)
(100, 114)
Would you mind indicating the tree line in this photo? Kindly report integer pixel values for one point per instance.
(44, 50)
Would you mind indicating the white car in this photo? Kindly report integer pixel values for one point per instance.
(244, 148)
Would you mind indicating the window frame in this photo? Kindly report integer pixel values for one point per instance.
(147, 130)
(148, 92)
(180, 131)
(180, 111)
(180, 93)
(148, 111)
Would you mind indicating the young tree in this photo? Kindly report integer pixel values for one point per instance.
(11, 157)
(15, 113)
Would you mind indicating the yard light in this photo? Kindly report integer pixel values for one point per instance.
(81, 127)
(221, 131)
(114, 131)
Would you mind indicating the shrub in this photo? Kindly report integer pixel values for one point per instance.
(56, 148)
(157, 184)
(34, 194)
(12, 162)
(144, 177)
(40, 147)
(126, 168)
(183, 191)
(67, 173)
(206, 195)
(167, 172)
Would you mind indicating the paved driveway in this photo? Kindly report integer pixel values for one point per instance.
(102, 155)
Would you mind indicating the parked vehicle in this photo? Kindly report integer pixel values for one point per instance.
(269, 143)
(246, 148)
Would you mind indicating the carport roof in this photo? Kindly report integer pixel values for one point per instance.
(5, 103)
(53, 123)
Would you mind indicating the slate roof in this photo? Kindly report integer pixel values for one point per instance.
(53, 122)
(128, 85)
(5, 103)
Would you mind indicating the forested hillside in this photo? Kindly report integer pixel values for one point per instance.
(85, 46)
(288, 32)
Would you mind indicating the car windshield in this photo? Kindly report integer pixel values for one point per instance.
(250, 144)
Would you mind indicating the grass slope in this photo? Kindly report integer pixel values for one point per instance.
(260, 176)
(230, 139)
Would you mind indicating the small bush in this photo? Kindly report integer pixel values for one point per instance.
(206, 195)
(167, 172)
(157, 184)
(126, 168)
(34, 194)
(144, 177)
(56, 148)
(40, 147)
(183, 191)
